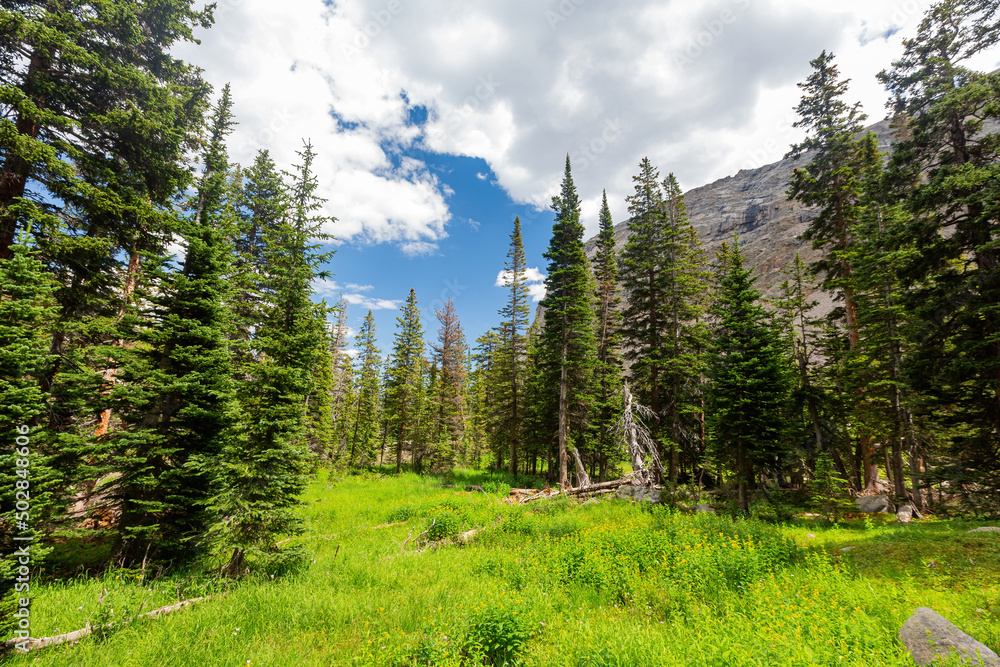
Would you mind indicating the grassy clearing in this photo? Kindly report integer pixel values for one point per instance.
(552, 583)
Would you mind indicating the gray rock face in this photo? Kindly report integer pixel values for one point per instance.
(638, 494)
(905, 513)
(703, 509)
(874, 504)
(754, 204)
(929, 636)
(984, 529)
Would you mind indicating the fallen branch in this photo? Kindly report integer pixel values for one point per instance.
(33, 644)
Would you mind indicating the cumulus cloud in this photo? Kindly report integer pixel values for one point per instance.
(533, 278)
(351, 294)
(703, 89)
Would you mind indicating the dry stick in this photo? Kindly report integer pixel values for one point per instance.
(31, 644)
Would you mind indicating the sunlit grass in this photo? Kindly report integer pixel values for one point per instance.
(551, 583)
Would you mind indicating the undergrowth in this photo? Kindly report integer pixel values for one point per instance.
(549, 583)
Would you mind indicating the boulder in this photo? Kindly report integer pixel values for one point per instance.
(905, 513)
(703, 509)
(638, 493)
(929, 636)
(984, 529)
(874, 504)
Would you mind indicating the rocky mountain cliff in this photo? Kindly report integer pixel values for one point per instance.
(754, 204)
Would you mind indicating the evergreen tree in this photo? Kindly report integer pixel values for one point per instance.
(511, 355)
(945, 167)
(319, 418)
(608, 370)
(405, 386)
(449, 399)
(176, 396)
(567, 336)
(264, 467)
(97, 116)
(365, 427)
(662, 271)
(27, 317)
(685, 282)
(748, 382)
(810, 398)
(343, 396)
(831, 182)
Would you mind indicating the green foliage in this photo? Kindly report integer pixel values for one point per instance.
(566, 344)
(405, 386)
(501, 629)
(749, 381)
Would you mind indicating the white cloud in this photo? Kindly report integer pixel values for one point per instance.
(533, 278)
(372, 304)
(703, 89)
(332, 289)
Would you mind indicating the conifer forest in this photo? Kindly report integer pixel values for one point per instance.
(175, 393)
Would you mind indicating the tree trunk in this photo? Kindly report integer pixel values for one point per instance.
(563, 422)
(741, 478)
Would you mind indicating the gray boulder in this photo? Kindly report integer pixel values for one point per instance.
(929, 636)
(874, 504)
(638, 494)
(984, 529)
(703, 509)
(905, 513)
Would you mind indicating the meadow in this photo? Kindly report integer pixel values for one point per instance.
(552, 582)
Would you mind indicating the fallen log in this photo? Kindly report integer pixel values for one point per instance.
(35, 643)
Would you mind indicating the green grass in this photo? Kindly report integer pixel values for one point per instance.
(550, 583)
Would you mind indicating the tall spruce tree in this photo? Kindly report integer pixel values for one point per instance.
(176, 395)
(27, 317)
(946, 168)
(748, 382)
(97, 117)
(510, 358)
(264, 467)
(567, 335)
(685, 283)
(832, 182)
(365, 426)
(449, 400)
(608, 370)
(406, 370)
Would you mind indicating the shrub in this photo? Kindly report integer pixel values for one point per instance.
(500, 630)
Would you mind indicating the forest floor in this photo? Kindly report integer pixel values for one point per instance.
(553, 582)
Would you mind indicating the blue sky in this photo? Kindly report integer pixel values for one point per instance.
(463, 267)
(437, 121)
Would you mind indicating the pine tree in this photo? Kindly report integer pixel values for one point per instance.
(365, 427)
(264, 467)
(608, 371)
(342, 392)
(567, 336)
(748, 386)
(945, 167)
(449, 399)
(27, 317)
(97, 119)
(802, 334)
(831, 182)
(662, 271)
(511, 355)
(176, 396)
(685, 282)
(321, 432)
(405, 385)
